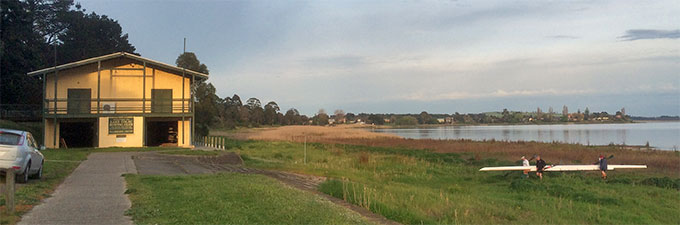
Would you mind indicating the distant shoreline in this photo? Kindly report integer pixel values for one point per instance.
(509, 124)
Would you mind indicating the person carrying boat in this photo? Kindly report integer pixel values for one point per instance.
(525, 162)
(603, 166)
(540, 164)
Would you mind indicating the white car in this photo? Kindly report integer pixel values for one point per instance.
(19, 151)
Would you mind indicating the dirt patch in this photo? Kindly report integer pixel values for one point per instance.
(162, 164)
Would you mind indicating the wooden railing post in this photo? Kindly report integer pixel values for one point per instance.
(9, 190)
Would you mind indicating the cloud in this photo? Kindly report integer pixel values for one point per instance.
(498, 93)
(563, 37)
(639, 34)
(341, 61)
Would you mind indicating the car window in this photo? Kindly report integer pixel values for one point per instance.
(9, 138)
(29, 142)
(32, 142)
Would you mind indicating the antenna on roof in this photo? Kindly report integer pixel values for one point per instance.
(185, 46)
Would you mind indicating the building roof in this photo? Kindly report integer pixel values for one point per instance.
(117, 55)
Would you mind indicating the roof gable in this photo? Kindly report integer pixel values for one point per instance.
(83, 62)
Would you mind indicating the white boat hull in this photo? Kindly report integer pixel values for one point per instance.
(562, 168)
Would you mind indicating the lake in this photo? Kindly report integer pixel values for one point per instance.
(661, 135)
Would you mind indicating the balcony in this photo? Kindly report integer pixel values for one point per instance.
(92, 107)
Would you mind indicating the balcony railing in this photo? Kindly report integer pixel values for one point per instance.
(84, 107)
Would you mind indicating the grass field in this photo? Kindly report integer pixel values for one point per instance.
(420, 186)
(228, 199)
(59, 163)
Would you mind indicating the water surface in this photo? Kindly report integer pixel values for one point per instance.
(662, 135)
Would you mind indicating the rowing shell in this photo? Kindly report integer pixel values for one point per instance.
(562, 168)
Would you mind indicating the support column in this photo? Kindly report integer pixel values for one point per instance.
(54, 136)
(183, 78)
(44, 108)
(144, 105)
(99, 84)
(192, 108)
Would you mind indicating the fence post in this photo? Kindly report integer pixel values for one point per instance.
(9, 190)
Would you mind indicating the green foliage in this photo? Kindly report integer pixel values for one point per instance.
(321, 118)
(407, 121)
(228, 198)
(375, 119)
(188, 60)
(664, 182)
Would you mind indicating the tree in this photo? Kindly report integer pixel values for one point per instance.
(586, 114)
(21, 45)
(231, 113)
(253, 103)
(321, 118)
(407, 121)
(188, 60)
(339, 116)
(350, 116)
(91, 35)
(206, 109)
(424, 118)
(292, 116)
(271, 109)
(376, 119)
(506, 115)
(206, 101)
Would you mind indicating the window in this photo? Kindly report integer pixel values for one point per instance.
(9, 139)
(79, 101)
(31, 141)
(161, 100)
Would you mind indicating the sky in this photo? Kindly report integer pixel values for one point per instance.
(413, 56)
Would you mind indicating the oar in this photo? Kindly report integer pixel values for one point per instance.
(532, 157)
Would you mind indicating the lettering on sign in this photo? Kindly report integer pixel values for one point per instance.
(118, 125)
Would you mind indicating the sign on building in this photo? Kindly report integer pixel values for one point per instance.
(118, 125)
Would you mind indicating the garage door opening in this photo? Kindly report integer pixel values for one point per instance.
(161, 133)
(77, 134)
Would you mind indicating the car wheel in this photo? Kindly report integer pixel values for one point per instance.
(38, 175)
(23, 178)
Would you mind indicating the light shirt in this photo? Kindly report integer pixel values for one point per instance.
(525, 162)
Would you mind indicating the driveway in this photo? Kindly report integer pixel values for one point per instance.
(92, 194)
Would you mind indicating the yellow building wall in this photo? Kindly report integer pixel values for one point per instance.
(115, 83)
(136, 139)
(187, 133)
(49, 134)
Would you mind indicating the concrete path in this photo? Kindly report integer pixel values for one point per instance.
(92, 194)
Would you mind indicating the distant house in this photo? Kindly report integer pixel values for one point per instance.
(331, 121)
(448, 120)
(118, 99)
(440, 120)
